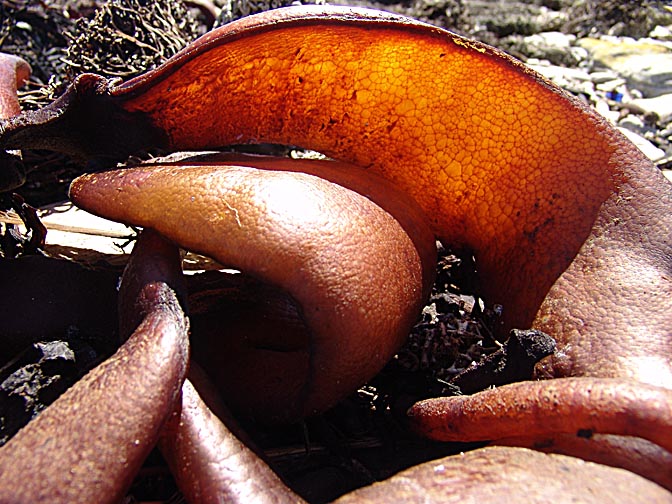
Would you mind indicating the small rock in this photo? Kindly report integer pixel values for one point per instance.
(579, 53)
(35, 379)
(649, 150)
(506, 18)
(554, 46)
(645, 64)
(661, 33)
(554, 72)
(602, 76)
(611, 85)
(573, 80)
(633, 123)
(603, 108)
(552, 40)
(660, 105)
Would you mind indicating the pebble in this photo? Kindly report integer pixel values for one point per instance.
(645, 64)
(633, 123)
(551, 39)
(36, 377)
(505, 18)
(556, 47)
(611, 85)
(555, 72)
(660, 105)
(661, 32)
(574, 80)
(604, 109)
(603, 76)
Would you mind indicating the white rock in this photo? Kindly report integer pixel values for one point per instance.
(553, 46)
(579, 53)
(660, 105)
(605, 111)
(654, 41)
(668, 174)
(645, 64)
(552, 39)
(610, 85)
(602, 76)
(649, 150)
(558, 73)
(661, 32)
(633, 123)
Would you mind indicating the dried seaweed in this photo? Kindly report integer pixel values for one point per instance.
(35, 31)
(119, 38)
(128, 37)
(63, 38)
